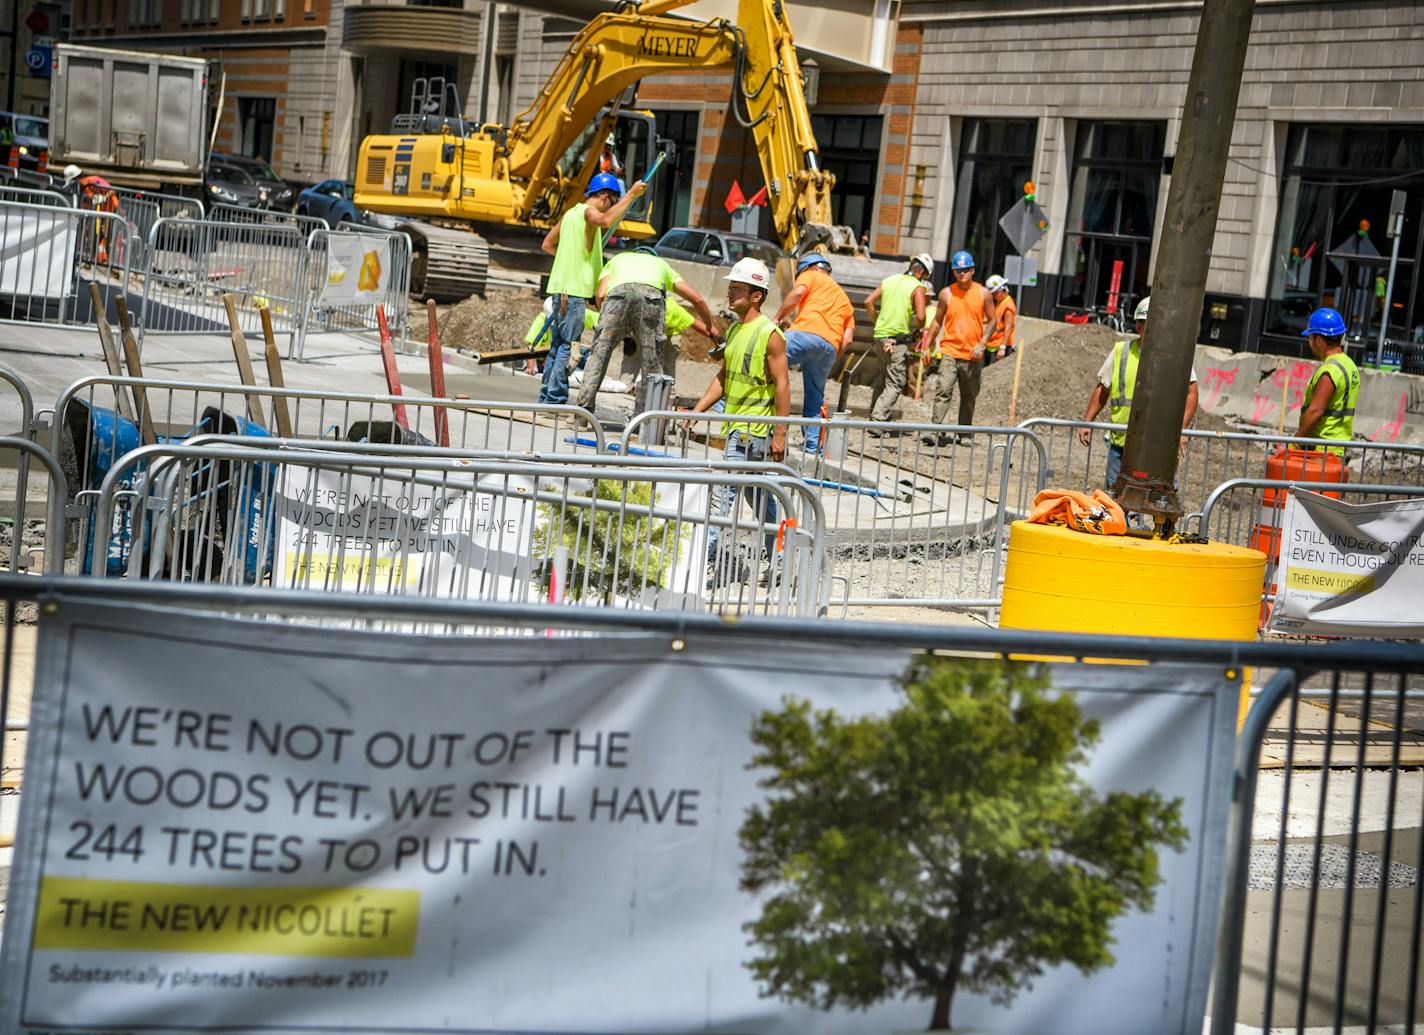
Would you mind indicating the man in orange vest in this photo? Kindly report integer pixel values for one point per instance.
(1006, 314)
(966, 312)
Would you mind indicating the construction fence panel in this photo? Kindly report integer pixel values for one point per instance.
(373, 245)
(142, 209)
(916, 514)
(32, 510)
(225, 213)
(433, 526)
(1212, 457)
(193, 263)
(50, 254)
(34, 196)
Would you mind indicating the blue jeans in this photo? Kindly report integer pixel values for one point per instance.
(815, 356)
(741, 446)
(564, 330)
(1114, 465)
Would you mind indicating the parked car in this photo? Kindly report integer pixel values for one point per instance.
(276, 192)
(28, 133)
(718, 247)
(331, 200)
(231, 185)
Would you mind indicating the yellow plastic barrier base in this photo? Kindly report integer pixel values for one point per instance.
(1057, 580)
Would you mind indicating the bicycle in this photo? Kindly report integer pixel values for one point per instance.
(1120, 321)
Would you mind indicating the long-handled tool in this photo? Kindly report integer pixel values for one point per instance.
(244, 359)
(437, 375)
(274, 376)
(111, 353)
(145, 419)
(388, 358)
(1014, 391)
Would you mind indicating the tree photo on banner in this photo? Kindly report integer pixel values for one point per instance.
(354, 831)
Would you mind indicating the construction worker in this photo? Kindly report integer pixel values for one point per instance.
(632, 303)
(1006, 314)
(824, 323)
(966, 312)
(902, 298)
(753, 383)
(576, 244)
(1334, 388)
(1117, 379)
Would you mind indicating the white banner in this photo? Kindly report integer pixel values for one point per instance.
(449, 535)
(37, 254)
(249, 826)
(1350, 569)
(358, 270)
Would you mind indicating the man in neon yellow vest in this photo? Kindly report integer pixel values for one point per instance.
(1117, 379)
(576, 243)
(897, 327)
(754, 383)
(1334, 389)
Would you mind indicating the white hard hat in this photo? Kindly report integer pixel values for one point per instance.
(925, 262)
(71, 172)
(996, 283)
(752, 272)
(1142, 307)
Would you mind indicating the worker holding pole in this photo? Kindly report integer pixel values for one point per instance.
(1334, 389)
(898, 322)
(575, 242)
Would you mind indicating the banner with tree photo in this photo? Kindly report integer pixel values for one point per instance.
(359, 832)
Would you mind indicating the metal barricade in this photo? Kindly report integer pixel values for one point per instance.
(916, 514)
(316, 316)
(1212, 457)
(615, 535)
(34, 196)
(29, 524)
(142, 209)
(193, 263)
(224, 213)
(1238, 510)
(55, 253)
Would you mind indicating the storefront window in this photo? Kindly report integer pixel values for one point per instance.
(1331, 244)
(850, 149)
(995, 160)
(1113, 203)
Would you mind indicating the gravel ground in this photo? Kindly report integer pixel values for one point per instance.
(1334, 868)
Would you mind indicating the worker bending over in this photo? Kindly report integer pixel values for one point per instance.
(753, 383)
(966, 312)
(576, 243)
(1006, 314)
(1334, 388)
(902, 298)
(1117, 379)
(824, 323)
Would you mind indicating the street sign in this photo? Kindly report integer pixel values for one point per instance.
(1021, 269)
(37, 60)
(1024, 225)
(1396, 214)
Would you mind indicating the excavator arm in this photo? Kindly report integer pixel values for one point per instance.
(618, 48)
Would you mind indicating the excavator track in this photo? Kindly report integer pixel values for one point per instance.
(446, 265)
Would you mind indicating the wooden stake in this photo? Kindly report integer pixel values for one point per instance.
(437, 376)
(388, 358)
(145, 419)
(1014, 392)
(274, 376)
(244, 360)
(111, 353)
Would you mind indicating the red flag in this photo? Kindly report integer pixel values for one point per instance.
(735, 199)
(759, 198)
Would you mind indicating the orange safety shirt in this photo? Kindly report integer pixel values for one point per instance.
(825, 309)
(963, 321)
(1005, 315)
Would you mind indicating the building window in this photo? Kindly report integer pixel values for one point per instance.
(257, 117)
(1117, 169)
(672, 191)
(145, 13)
(262, 10)
(849, 147)
(995, 160)
(1331, 244)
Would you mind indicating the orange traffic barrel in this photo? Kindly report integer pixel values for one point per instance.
(1289, 464)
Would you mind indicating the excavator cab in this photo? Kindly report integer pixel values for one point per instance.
(628, 148)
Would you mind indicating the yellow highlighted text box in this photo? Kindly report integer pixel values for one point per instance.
(1331, 583)
(353, 571)
(131, 916)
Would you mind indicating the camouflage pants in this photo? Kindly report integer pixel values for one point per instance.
(635, 311)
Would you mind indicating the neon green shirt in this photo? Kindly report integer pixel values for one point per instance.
(640, 268)
(576, 267)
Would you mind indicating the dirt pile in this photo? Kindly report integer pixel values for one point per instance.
(498, 321)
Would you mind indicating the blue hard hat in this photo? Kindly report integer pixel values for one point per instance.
(811, 259)
(604, 181)
(961, 260)
(646, 249)
(1326, 322)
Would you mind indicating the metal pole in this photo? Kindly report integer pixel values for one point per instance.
(14, 73)
(1149, 466)
(1389, 288)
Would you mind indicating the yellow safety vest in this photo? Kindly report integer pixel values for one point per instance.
(1124, 379)
(897, 306)
(1339, 419)
(749, 389)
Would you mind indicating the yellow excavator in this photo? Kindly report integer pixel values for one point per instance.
(444, 178)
